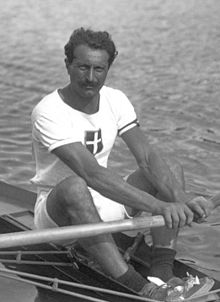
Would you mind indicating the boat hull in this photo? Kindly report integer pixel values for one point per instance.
(71, 265)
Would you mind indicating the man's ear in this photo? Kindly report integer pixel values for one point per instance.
(67, 63)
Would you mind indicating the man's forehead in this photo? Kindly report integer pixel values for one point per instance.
(85, 52)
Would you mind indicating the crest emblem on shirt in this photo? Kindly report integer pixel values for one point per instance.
(93, 141)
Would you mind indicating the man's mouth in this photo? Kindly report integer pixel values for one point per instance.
(89, 85)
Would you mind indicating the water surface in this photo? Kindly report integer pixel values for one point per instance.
(168, 65)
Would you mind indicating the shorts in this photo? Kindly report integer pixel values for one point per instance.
(42, 220)
(108, 209)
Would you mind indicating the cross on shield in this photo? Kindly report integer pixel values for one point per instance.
(93, 141)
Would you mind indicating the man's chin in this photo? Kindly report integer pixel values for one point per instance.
(90, 93)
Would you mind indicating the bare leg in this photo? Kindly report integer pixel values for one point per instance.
(70, 203)
(164, 239)
(161, 236)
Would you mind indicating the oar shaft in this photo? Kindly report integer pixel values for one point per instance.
(79, 231)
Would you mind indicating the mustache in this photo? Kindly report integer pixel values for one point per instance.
(89, 83)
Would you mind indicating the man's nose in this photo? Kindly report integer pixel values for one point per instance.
(91, 74)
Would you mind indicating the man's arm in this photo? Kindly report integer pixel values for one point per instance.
(101, 179)
(109, 184)
(158, 172)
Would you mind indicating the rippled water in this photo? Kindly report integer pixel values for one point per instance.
(168, 65)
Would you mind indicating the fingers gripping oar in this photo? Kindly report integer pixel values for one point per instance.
(79, 231)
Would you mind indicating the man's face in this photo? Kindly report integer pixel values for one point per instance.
(88, 71)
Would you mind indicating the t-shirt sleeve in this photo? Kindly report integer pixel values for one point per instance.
(54, 129)
(127, 117)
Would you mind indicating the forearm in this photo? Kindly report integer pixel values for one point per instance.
(114, 187)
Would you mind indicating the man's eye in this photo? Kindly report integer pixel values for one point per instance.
(83, 67)
(99, 69)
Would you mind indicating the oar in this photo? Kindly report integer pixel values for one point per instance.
(80, 231)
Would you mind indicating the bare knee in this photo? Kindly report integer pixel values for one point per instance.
(72, 189)
(70, 202)
(138, 180)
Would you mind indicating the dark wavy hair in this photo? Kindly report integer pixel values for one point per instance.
(94, 39)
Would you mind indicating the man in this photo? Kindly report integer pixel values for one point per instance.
(74, 129)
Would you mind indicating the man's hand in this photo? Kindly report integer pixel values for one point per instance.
(176, 215)
(200, 206)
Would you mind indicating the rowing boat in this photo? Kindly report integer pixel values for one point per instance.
(66, 273)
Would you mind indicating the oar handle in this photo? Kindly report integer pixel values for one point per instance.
(70, 233)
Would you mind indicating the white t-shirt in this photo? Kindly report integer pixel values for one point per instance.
(55, 124)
